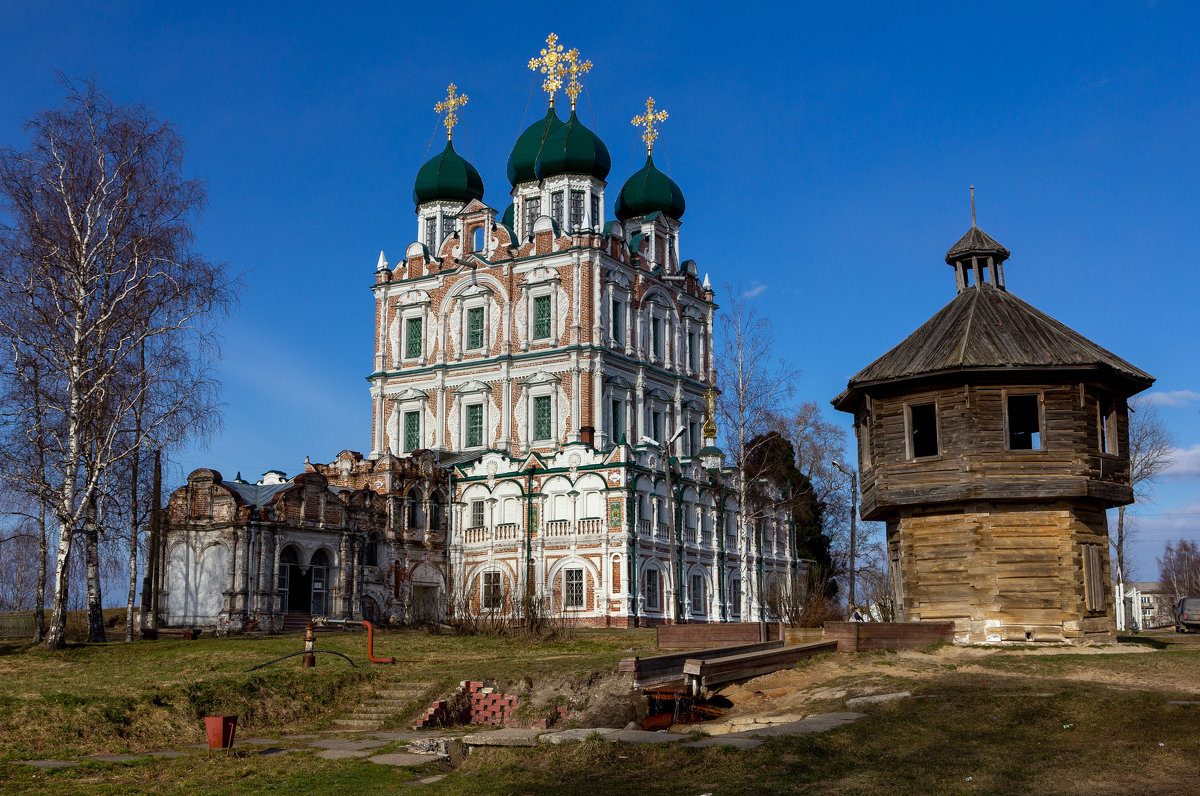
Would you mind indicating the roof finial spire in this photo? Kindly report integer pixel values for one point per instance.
(575, 66)
(450, 107)
(973, 207)
(553, 64)
(649, 122)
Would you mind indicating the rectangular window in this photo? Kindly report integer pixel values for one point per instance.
(1106, 406)
(652, 589)
(475, 425)
(697, 594)
(735, 596)
(1093, 581)
(656, 341)
(576, 211)
(541, 417)
(477, 514)
(618, 317)
(412, 338)
(556, 207)
(1024, 423)
(615, 428)
(431, 232)
(922, 431)
(573, 591)
(595, 211)
(656, 426)
(693, 438)
(693, 352)
(474, 328)
(491, 590)
(533, 209)
(541, 317)
(412, 431)
(447, 226)
(371, 554)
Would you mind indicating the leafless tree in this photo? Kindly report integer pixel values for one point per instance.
(1150, 446)
(754, 386)
(1179, 569)
(96, 266)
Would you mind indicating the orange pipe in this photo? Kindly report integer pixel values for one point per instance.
(371, 646)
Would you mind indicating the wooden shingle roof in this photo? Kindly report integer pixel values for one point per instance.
(975, 242)
(987, 328)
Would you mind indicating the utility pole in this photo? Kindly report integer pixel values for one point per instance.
(853, 535)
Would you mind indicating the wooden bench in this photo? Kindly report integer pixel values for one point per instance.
(701, 674)
(659, 669)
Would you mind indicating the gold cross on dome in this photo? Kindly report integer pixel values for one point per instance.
(649, 121)
(552, 64)
(450, 106)
(575, 68)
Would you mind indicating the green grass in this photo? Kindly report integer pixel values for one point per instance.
(972, 726)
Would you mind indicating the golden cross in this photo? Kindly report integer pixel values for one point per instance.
(551, 64)
(650, 121)
(450, 107)
(575, 68)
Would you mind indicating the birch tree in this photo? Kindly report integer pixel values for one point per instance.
(96, 263)
(754, 385)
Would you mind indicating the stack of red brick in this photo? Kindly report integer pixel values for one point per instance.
(472, 704)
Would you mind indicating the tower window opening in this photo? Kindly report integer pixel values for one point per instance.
(616, 421)
(430, 232)
(922, 431)
(412, 338)
(447, 226)
(541, 417)
(692, 351)
(474, 328)
(618, 315)
(475, 425)
(656, 426)
(1106, 407)
(595, 211)
(1024, 423)
(576, 211)
(556, 207)
(968, 274)
(533, 209)
(656, 341)
(412, 431)
(477, 240)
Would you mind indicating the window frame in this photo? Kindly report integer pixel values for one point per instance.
(431, 227)
(473, 437)
(474, 339)
(1107, 438)
(478, 514)
(616, 320)
(543, 328)
(910, 448)
(1037, 395)
(410, 433)
(596, 220)
(696, 601)
(491, 590)
(652, 596)
(574, 594)
(575, 209)
(557, 207)
(533, 211)
(535, 430)
(413, 349)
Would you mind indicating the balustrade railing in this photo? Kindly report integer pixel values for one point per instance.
(689, 535)
(644, 527)
(507, 531)
(592, 525)
(558, 528)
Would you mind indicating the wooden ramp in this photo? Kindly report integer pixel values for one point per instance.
(701, 674)
(660, 669)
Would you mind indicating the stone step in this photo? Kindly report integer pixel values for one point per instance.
(358, 724)
(398, 703)
(382, 710)
(373, 718)
(407, 695)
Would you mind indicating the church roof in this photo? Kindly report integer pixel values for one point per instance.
(257, 494)
(975, 242)
(988, 328)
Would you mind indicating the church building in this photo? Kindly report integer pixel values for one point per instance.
(542, 409)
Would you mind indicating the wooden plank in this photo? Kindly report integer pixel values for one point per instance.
(658, 669)
(703, 674)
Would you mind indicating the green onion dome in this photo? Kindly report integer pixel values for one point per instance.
(523, 159)
(447, 177)
(649, 191)
(573, 149)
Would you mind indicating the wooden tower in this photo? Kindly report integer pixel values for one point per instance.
(991, 441)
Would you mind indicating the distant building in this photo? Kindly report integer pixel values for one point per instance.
(1152, 605)
(992, 441)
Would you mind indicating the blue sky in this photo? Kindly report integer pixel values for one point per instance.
(825, 151)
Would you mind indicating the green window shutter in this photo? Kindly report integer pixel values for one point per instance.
(541, 418)
(474, 426)
(475, 328)
(412, 339)
(412, 431)
(541, 317)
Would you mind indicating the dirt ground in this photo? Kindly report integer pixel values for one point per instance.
(826, 682)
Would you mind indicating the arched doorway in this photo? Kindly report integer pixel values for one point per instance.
(295, 582)
(318, 573)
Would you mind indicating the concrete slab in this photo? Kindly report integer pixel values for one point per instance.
(258, 741)
(50, 763)
(819, 723)
(168, 754)
(876, 699)
(341, 754)
(508, 736)
(643, 736)
(349, 744)
(113, 758)
(403, 759)
(431, 780)
(579, 734)
(725, 740)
